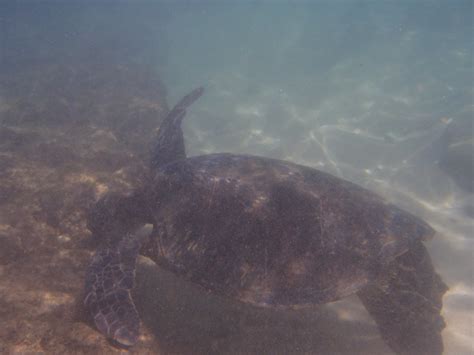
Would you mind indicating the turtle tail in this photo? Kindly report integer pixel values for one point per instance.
(109, 279)
(406, 303)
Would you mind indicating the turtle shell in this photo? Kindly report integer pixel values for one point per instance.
(270, 232)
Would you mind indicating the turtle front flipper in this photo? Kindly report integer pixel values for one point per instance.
(169, 145)
(406, 304)
(109, 279)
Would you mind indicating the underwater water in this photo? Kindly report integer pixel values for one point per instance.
(378, 93)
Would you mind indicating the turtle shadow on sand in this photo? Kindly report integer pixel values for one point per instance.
(264, 232)
(183, 319)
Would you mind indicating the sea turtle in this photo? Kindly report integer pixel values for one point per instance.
(265, 232)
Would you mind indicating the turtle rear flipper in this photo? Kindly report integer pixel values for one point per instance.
(406, 303)
(110, 277)
(169, 145)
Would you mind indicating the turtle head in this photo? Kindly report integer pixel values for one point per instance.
(115, 214)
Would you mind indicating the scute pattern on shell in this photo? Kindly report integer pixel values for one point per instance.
(271, 232)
